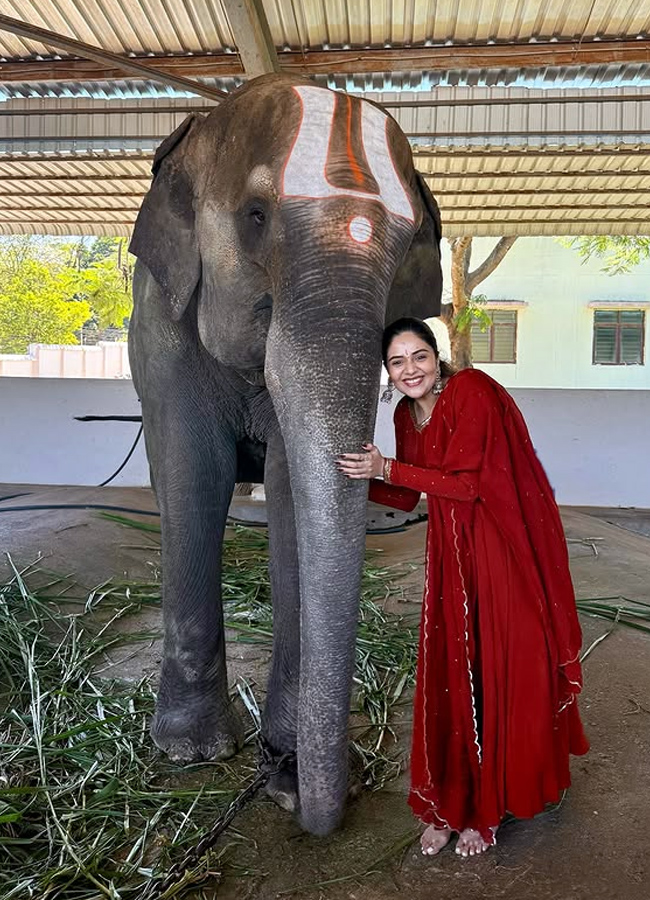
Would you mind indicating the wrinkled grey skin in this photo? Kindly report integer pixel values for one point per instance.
(255, 350)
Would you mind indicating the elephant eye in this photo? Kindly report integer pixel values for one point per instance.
(258, 215)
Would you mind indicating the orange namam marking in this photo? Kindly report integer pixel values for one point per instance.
(355, 169)
(304, 173)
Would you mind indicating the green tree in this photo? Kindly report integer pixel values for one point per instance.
(36, 307)
(108, 291)
(17, 249)
(619, 253)
(107, 276)
(50, 288)
(88, 252)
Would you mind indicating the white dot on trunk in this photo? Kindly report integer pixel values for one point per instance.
(360, 229)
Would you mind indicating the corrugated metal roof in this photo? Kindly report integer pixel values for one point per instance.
(573, 77)
(312, 23)
(181, 26)
(122, 26)
(456, 117)
(501, 154)
(480, 193)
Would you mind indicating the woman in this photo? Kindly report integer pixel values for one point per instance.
(495, 716)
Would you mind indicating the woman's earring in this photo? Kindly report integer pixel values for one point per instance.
(387, 395)
(437, 384)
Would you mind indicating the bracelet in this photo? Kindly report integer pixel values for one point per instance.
(388, 469)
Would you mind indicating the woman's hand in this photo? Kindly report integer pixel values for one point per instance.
(369, 464)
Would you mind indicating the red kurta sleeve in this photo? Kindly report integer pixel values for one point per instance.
(389, 495)
(466, 409)
(403, 498)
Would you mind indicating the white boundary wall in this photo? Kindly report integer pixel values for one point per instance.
(107, 359)
(594, 444)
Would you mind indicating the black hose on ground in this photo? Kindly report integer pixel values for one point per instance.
(42, 506)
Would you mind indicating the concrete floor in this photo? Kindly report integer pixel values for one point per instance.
(592, 848)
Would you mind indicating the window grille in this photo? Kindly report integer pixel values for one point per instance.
(498, 344)
(618, 337)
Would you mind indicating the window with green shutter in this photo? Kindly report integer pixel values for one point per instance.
(618, 337)
(498, 344)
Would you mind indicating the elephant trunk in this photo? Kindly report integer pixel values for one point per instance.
(331, 361)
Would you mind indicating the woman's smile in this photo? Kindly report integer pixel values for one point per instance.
(412, 365)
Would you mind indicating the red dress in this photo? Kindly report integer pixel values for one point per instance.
(495, 717)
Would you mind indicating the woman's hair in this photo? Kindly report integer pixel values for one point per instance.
(422, 330)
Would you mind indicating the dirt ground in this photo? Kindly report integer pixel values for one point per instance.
(593, 846)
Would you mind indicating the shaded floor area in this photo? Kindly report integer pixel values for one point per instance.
(591, 848)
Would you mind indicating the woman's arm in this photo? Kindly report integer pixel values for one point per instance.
(453, 486)
(468, 409)
(389, 495)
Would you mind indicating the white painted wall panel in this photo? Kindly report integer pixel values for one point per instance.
(555, 331)
(593, 444)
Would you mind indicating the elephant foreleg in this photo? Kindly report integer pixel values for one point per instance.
(194, 718)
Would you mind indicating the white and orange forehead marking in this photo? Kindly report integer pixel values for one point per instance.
(360, 229)
(304, 172)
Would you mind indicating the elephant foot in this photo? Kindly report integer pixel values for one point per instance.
(186, 739)
(283, 789)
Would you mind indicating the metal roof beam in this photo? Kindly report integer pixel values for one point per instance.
(110, 66)
(87, 51)
(72, 107)
(465, 176)
(252, 35)
(68, 209)
(491, 192)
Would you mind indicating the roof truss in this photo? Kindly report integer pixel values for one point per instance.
(81, 66)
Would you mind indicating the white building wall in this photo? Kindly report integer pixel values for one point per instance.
(555, 330)
(106, 359)
(43, 444)
(593, 444)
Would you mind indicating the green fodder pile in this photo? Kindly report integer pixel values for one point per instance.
(88, 807)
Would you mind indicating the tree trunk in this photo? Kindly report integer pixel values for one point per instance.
(461, 339)
(463, 284)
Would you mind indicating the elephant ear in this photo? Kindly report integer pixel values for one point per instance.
(417, 286)
(164, 235)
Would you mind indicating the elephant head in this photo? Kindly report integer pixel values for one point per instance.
(293, 219)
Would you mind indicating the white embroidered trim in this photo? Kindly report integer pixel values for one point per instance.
(568, 703)
(466, 613)
(575, 659)
(434, 808)
(425, 625)
(576, 683)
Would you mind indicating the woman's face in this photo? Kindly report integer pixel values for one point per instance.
(412, 365)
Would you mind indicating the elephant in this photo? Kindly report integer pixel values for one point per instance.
(280, 232)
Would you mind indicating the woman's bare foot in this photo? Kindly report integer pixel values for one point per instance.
(434, 839)
(470, 842)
